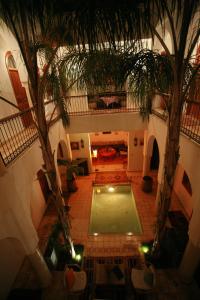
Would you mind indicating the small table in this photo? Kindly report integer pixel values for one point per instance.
(107, 152)
(110, 100)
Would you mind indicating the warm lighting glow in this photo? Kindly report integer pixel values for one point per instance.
(94, 153)
(129, 233)
(111, 189)
(144, 249)
(95, 234)
(98, 191)
(78, 257)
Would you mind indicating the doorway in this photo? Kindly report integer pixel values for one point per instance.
(154, 164)
(109, 150)
(19, 90)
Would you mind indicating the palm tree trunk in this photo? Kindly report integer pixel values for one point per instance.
(51, 173)
(170, 164)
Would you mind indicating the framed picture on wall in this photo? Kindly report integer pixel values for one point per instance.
(74, 145)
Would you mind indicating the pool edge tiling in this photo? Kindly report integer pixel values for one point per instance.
(111, 244)
(114, 211)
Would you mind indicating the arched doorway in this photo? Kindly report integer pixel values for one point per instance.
(19, 90)
(154, 163)
(62, 151)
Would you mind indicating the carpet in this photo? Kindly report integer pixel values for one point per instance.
(116, 160)
(111, 177)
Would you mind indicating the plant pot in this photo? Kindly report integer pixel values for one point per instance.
(147, 183)
(72, 187)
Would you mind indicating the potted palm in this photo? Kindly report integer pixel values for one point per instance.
(72, 169)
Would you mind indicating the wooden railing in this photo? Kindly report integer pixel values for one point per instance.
(18, 132)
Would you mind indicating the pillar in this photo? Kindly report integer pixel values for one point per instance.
(40, 267)
(189, 263)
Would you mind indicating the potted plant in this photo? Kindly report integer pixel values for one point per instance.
(147, 183)
(72, 169)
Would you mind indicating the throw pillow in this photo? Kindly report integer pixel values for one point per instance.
(118, 273)
(70, 278)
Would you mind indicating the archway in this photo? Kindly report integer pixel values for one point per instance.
(152, 156)
(155, 159)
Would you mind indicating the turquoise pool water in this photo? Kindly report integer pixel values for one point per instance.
(114, 211)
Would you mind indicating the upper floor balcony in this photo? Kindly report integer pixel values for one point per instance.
(102, 103)
(18, 131)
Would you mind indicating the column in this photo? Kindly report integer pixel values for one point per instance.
(40, 267)
(189, 263)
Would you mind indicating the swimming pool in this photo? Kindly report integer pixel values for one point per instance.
(114, 211)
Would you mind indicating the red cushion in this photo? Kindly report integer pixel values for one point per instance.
(70, 278)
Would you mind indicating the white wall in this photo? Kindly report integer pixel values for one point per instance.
(11, 258)
(106, 122)
(82, 152)
(135, 150)
(113, 136)
(8, 43)
(22, 203)
(190, 162)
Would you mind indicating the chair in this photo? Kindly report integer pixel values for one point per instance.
(75, 280)
(144, 280)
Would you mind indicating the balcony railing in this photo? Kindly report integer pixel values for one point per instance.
(190, 123)
(18, 132)
(101, 104)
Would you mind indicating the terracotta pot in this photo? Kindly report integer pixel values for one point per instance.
(147, 183)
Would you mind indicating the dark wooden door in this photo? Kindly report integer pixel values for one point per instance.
(21, 97)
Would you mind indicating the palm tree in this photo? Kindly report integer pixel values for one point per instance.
(149, 72)
(32, 26)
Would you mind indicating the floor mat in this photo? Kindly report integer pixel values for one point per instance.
(111, 177)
